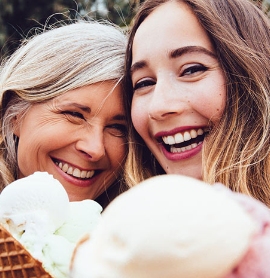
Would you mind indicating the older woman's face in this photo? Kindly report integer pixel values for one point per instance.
(179, 87)
(78, 137)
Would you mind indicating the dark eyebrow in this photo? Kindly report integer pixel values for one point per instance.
(174, 54)
(190, 49)
(137, 66)
(81, 107)
(120, 117)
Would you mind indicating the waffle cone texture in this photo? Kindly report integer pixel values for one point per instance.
(16, 261)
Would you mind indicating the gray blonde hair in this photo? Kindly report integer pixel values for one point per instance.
(49, 64)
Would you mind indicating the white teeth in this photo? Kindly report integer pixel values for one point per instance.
(187, 136)
(170, 140)
(193, 133)
(75, 172)
(90, 174)
(194, 145)
(179, 137)
(70, 171)
(164, 138)
(179, 150)
(83, 174)
(64, 168)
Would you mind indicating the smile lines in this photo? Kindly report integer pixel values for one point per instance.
(75, 172)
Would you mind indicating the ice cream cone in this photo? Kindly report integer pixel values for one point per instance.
(16, 261)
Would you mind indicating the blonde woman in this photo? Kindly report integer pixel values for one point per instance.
(63, 111)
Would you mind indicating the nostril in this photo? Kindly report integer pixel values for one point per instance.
(161, 115)
(150, 116)
(92, 147)
(86, 154)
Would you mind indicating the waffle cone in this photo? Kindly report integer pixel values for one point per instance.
(16, 261)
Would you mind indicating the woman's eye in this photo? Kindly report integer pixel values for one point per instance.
(73, 114)
(118, 130)
(144, 83)
(194, 69)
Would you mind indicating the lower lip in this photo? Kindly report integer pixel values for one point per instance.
(183, 155)
(75, 181)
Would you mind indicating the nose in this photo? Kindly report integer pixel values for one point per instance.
(91, 143)
(167, 100)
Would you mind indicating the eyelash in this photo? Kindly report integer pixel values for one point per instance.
(73, 114)
(119, 127)
(144, 83)
(188, 71)
(193, 69)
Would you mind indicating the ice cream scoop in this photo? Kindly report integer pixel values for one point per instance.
(83, 217)
(174, 226)
(35, 204)
(37, 212)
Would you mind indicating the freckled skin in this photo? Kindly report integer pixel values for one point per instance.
(182, 92)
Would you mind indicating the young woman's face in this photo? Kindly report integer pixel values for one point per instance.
(78, 137)
(179, 87)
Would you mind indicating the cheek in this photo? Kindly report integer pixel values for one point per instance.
(218, 106)
(116, 149)
(139, 115)
(213, 100)
(27, 160)
(212, 110)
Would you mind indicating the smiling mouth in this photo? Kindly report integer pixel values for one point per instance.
(74, 172)
(181, 142)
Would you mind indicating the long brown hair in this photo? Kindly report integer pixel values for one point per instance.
(237, 151)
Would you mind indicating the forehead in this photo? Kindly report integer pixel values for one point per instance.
(172, 25)
(104, 95)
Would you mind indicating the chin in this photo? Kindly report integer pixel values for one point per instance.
(193, 173)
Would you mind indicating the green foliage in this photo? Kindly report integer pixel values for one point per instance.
(18, 18)
(266, 7)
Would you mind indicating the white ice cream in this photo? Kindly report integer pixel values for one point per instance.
(168, 226)
(83, 216)
(37, 212)
(24, 201)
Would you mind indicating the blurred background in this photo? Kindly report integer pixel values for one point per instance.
(19, 17)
